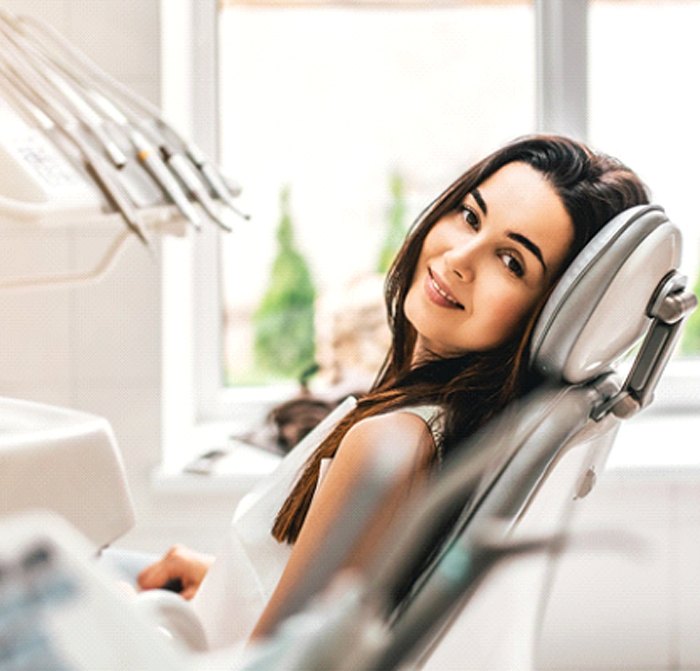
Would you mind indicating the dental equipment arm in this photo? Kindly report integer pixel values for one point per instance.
(92, 162)
(46, 77)
(105, 84)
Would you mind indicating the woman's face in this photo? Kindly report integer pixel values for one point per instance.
(484, 266)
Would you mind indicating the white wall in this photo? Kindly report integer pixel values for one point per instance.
(98, 348)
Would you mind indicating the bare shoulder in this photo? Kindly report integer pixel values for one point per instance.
(400, 435)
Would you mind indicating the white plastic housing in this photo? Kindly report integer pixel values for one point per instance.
(67, 462)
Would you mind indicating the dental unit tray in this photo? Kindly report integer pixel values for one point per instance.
(79, 148)
(65, 461)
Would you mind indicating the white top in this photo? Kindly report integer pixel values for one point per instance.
(239, 584)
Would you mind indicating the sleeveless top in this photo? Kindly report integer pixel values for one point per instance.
(248, 566)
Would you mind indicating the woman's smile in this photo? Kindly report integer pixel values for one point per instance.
(437, 291)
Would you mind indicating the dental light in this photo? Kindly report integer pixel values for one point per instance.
(77, 147)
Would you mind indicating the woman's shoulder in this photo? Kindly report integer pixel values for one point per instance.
(408, 419)
(401, 428)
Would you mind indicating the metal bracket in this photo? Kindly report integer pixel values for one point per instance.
(668, 307)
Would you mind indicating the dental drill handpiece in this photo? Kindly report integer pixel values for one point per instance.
(35, 62)
(149, 158)
(216, 183)
(182, 168)
(146, 154)
(212, 177)
(94, 123)
(48, 116)
(176, 162)
(72, 87)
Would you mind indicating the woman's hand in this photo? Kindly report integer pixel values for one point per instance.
(179, 565)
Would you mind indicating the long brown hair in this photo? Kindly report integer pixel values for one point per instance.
(472, 388)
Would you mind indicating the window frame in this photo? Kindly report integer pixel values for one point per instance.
(562, 102)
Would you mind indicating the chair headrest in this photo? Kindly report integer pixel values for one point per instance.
(598, 310)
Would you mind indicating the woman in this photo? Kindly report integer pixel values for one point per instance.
(462, 296)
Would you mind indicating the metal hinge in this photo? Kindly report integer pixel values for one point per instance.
(669, 306)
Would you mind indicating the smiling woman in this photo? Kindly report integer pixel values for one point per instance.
(454, 288)
(484, 266)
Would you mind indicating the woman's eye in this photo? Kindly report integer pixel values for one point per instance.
(470, 217)
(513, 265)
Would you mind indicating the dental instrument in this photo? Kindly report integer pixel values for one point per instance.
(183, 170)
(149, 158)
(103, 82)
(35, 105)
(83, 113)
(115, 140)
(174, 160)
(39, 75)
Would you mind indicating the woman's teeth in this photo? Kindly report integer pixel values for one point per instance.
(445, 295)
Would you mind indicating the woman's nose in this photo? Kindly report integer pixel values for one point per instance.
(461, 261)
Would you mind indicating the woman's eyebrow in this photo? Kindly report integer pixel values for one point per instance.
(530, 245)
(476, 194)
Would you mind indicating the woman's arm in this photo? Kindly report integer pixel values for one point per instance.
(404, 433)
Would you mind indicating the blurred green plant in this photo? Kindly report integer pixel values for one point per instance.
(284, 320)
(395, 225)
(690, 345)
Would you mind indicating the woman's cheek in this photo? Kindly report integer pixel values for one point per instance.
(507, 313)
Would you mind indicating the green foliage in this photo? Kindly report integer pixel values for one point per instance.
(284, 321)
(691, 333)
(396, 226)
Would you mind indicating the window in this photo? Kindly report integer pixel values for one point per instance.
(358, 109)
(644, 108)
(361, 115)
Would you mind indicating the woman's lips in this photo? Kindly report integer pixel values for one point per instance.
(438, 293)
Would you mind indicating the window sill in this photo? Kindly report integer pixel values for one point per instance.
(657, 441)
(652, 444)
(236, 472)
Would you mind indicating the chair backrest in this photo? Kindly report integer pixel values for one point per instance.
(547, 453)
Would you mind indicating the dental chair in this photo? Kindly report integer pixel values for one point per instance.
(514, 486)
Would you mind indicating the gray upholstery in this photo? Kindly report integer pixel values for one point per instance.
(598, 309)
